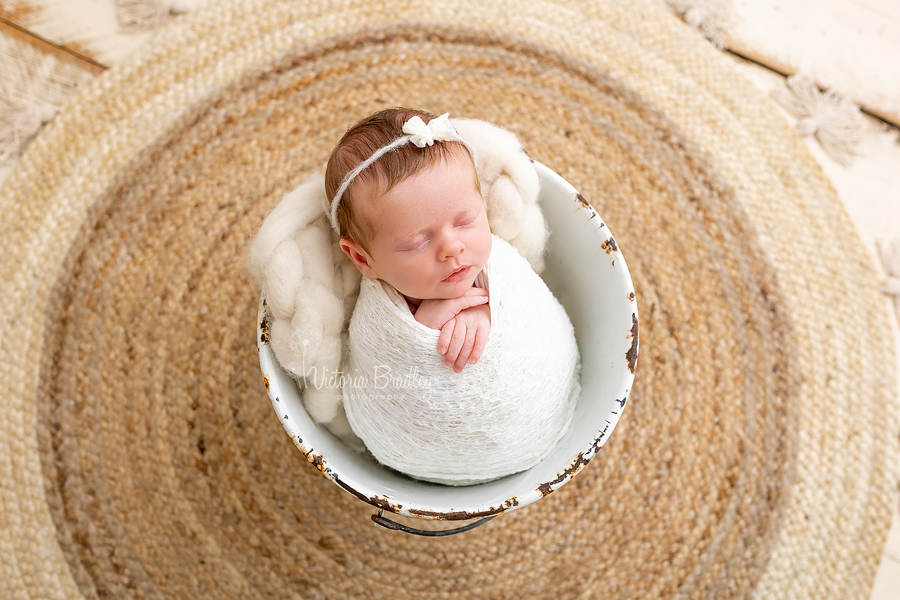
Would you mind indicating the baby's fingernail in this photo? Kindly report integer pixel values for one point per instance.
(443, 349)
(457, 369)
(448, 362)
(472, 361)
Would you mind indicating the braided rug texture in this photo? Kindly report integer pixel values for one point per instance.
(140, 456)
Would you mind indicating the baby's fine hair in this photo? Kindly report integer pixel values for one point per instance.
(359, 143)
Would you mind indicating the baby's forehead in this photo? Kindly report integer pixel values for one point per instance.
(372, 187)
(376, 215)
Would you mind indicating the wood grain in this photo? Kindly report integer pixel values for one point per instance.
(88, 29)
(62, 53)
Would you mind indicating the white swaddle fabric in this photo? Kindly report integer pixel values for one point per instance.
(498, 417)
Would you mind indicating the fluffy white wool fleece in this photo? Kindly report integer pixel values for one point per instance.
(495, 418)
(311, 287)
(510, 187)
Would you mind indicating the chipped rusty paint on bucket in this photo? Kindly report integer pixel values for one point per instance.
(599, 296)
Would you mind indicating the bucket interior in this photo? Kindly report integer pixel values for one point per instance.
(587, 273)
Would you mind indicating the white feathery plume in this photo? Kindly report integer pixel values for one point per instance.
(147, 15)
(835, 121)
(711, 17)
(890, 260)
(20, 120)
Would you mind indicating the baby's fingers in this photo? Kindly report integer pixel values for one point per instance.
(475, 297)
(465, 353)
(457, 340)
(481, 337)
(444, 337)
(437, 313)
(476, 292)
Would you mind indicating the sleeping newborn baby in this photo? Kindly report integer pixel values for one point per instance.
(414, 331)
(462, 365)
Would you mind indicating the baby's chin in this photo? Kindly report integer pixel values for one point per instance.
(446, 291)
(442, 290)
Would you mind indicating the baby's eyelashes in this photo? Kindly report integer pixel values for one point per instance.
(410, 246)
(465, 220)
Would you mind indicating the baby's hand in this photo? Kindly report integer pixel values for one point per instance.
(437, 313)
(464, 337)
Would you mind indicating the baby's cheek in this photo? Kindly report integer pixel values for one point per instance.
(486, 247)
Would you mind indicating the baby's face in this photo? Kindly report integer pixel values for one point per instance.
(431, 236)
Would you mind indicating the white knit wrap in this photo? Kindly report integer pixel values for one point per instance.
(498, 417)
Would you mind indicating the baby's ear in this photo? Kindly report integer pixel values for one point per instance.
(359, 257)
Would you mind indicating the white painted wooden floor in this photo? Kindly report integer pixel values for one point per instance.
(50, 48)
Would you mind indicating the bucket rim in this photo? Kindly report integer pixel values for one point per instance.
(384, 500)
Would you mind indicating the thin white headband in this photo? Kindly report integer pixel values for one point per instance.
(418, 133)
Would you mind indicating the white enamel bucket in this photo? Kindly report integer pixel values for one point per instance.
(587, 273)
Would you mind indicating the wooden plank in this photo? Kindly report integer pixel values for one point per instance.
(86, 28)
(38, 72)
(850, 46)
(785, 70)
(20, 38)
(24, 15)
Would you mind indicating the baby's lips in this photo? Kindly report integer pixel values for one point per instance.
(457, 275)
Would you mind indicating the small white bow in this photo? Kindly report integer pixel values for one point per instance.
(423, 135)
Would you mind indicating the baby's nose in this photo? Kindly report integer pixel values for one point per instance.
(452, 248)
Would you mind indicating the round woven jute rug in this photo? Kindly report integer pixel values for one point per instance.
(139, 453)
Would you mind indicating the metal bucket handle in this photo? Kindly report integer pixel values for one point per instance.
(383, 521)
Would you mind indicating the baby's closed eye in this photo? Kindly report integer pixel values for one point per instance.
(465, 219)
(411, 245)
